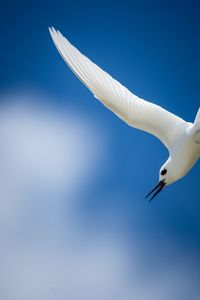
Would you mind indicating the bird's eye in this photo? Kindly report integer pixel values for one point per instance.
(164, 171)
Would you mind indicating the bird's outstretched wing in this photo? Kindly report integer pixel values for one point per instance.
(134, 111)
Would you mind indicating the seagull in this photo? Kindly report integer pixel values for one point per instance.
(181, 138)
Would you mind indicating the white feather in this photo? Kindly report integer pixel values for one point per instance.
(134, 111)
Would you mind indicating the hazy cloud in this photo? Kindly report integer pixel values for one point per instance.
(47, 158)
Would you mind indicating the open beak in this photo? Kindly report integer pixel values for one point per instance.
(158, 188)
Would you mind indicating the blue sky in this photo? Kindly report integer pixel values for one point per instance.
(152, 47)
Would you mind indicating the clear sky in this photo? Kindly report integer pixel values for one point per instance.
(152, 47)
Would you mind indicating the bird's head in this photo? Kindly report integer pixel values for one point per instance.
(166, 177)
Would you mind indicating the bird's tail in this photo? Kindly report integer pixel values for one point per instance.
(197, 119)
(196, 128)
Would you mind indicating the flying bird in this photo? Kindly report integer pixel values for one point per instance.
(181, 138)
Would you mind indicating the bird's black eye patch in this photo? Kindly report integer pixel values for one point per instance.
(164, 171)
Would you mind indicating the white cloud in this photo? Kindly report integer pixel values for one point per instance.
(52, 151)
(47, 158)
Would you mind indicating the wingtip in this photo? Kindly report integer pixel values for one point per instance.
(55, 32)
(52, 30)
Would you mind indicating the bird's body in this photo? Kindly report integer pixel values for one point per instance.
(181, 138)
(183, 154)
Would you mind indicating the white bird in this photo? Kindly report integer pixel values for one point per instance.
(181, 138)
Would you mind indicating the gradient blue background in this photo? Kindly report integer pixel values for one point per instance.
(152, 47)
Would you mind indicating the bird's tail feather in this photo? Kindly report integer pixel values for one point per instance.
(196, 128)
(197, 119)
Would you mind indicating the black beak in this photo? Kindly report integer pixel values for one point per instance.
(158, 188)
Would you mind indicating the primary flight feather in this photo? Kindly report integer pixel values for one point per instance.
(136, 112)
